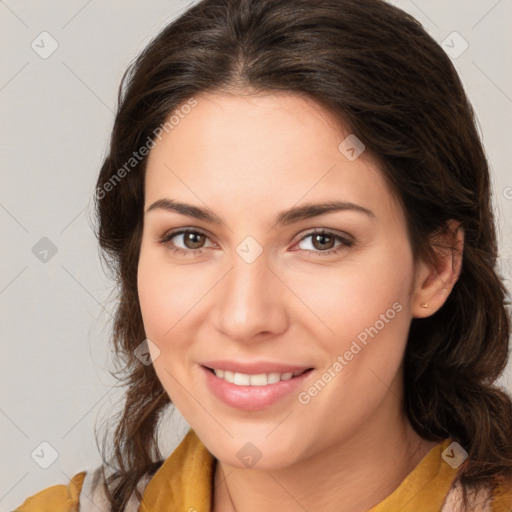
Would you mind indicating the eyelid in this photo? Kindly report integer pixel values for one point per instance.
(325, 231)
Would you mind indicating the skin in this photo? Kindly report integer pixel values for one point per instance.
(248, 157)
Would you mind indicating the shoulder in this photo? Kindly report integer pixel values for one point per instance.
(57, 498)
(85, 493)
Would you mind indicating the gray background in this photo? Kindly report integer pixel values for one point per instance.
(56, 114)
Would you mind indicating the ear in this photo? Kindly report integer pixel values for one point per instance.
(435, 281)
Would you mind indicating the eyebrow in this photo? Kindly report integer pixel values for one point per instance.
(284, 218)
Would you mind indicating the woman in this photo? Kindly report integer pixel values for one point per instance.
(297, 206)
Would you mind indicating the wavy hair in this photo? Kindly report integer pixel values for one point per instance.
(381, 75)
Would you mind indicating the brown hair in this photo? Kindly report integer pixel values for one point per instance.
(377, 70)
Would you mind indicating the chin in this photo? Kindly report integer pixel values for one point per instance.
(255, 451)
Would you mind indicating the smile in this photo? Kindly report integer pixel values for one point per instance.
(257, 390)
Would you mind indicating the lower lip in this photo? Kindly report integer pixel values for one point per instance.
(251, 398)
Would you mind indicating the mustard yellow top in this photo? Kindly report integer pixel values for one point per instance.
(184, 482)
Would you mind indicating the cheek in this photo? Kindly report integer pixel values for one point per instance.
(152, 298)
(367, 312)
(371, 322)
(359, 294)
(166, 296)
(164, 302)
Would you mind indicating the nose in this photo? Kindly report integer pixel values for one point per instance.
(251, 301)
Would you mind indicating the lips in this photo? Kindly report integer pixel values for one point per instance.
(253, 386)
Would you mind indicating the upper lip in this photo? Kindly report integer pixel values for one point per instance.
(254, 368)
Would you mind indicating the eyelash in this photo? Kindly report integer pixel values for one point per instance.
(345, 242)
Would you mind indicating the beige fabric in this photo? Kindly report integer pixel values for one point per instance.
(94, 499)
(478, 503)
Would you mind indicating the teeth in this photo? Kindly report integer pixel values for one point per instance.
(272, 378)
(260, 379)
(242, 379)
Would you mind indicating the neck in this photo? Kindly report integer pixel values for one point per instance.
(352, 476)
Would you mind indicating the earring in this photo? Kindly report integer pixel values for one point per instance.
(424, 305)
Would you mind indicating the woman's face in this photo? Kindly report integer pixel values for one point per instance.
(250, 291)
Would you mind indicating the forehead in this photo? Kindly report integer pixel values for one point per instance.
(254, 151)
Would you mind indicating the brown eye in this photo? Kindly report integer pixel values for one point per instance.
(186, 242)
(193, 240)
(321, 241)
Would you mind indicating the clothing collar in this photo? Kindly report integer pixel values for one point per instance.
(185, 481)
